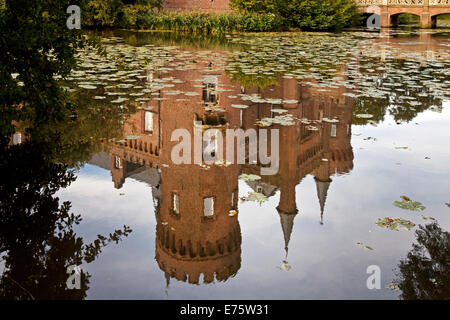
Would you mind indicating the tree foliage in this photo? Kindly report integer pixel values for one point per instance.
(37, 238)
(425, 273)
(305, 14)
(109, 13)
(36, 48)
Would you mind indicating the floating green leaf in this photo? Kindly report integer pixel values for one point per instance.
(395, 223)
(409, 204)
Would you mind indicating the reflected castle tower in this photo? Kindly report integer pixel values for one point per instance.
(321, 152)
(195, 235)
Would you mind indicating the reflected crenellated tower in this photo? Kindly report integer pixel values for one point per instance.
(195, 234)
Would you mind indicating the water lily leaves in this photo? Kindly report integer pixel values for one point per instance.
(393, 287)
(395, 223)
(119, 100)
(87, 86)
(239, 106)
(364, 116)
(232, 213)
(256, 197)
(249, 177)
(285, 266)
(408, 204)
(279, 110)
(362, 245)
(222, 163)
(330, 120)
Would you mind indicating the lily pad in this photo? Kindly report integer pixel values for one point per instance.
(409, 204)
(249, 177)
(256, 197)
(364, 116)
(133, 137)
(395, 223)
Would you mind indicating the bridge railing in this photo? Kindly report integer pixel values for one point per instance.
(404, 3)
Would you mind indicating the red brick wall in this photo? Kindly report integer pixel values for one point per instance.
(215, 5)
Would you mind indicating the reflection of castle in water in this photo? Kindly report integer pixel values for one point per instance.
(195, 234)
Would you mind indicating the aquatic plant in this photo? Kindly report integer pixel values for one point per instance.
(142, 17)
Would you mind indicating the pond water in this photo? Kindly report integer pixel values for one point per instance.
(363, 121)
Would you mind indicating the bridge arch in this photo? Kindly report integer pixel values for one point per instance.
(435, 17)
(394, 19)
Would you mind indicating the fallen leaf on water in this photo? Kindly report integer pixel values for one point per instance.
(405, 198)
(393, 286)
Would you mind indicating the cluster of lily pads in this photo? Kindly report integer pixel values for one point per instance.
(395, 223)
(363, 64)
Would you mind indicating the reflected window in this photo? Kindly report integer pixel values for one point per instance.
(149, 78)
(208, 207)
(210, 89)
(333, 130)
(176, 204)
(210, 148)
(148, 125)
(17, 138)
(118, 162)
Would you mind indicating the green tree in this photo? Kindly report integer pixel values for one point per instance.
(36, 48)
(306, 14)
(425, 273)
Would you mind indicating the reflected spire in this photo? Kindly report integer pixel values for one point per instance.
(167, 276)
(287, 224)
(322, 192)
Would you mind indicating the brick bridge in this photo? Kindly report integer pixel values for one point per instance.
(389, 10)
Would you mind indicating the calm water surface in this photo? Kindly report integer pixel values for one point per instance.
(363, 119)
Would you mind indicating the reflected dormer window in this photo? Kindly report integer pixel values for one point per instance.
(208, 206)
(210, 84)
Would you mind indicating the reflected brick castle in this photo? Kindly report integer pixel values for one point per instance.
(196, 239)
